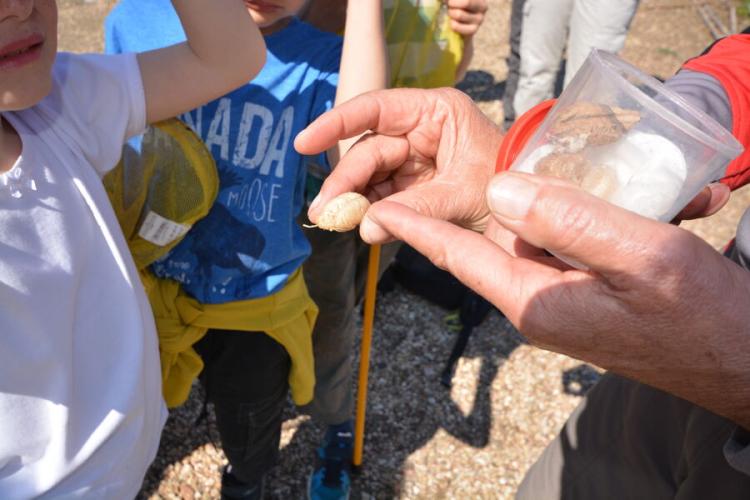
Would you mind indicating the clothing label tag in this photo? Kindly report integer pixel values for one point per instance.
(160, 231)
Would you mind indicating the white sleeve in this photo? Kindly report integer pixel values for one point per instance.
(101, 98)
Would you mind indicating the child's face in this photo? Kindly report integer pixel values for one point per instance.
(268, 13)
(28, 44)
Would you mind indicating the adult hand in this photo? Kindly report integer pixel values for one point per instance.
(656, 304)
(431, 150)
(466, 15)
(709, 201)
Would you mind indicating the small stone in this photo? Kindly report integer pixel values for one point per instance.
(186, 492)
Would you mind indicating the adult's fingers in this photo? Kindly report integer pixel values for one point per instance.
(709, 201)
(347, 120)
(509, 283)
(391, 112)
(570, 222)
(510, 242)
(369, 161)
(457, 202)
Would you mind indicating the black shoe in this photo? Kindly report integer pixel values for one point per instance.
(234, 489)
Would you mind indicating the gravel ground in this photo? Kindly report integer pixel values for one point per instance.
(508, 399)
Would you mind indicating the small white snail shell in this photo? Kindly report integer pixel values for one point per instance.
(343, 213)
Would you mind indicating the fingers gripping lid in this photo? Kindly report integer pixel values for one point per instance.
(159, 192)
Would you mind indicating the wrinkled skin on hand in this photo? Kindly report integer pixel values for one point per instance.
(429, 150)
(654, 302)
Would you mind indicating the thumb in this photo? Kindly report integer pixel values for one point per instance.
(706, 203)
(459, 202)
(551, 214)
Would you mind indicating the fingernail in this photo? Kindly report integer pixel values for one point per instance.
(511, 196)
(369, 230)
(315, 202)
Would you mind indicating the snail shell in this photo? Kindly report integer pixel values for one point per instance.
(343, 213)
(591, 124)
(569, 166)
(600, 181)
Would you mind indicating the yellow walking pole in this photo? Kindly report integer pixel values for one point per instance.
(364, 357)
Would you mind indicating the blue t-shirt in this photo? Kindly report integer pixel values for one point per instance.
(249, 243)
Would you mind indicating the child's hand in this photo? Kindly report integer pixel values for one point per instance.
(466, 15)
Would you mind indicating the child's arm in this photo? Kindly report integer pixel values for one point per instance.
(224, 49)
(364, 60)
(466, 18)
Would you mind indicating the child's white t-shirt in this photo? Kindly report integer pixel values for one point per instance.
(80, 393)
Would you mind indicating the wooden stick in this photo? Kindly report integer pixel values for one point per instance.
(373, 265)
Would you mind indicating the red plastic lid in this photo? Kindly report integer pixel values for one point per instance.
(520, 133)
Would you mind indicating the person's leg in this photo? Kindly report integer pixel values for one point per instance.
(329, 274)
(629, 441)
(333, 274)
(543, 35)
(600, 24)
(514, 62)
(246, 378)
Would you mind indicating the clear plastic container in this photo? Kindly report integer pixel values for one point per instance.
(622, 135)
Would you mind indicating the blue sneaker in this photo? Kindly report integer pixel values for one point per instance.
(330, 480)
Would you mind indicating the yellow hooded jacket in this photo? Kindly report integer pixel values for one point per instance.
(158, 193)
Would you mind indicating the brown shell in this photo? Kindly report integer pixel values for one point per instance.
(568, 166)
(597, 180)
(587, 123)
(626, 117)
(344, 212)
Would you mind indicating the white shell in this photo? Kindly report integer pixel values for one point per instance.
(655, 184)
(344, 212)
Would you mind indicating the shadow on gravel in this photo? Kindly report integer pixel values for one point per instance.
(481, 86)
(407, 406)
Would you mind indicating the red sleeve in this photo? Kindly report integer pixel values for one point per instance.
(728, 61)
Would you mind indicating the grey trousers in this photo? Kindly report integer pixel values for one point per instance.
(627, 440)
(335, 275)
(549, 27)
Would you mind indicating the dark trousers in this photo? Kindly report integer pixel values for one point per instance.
(246, 378)
(336, 274)
(627, 440)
